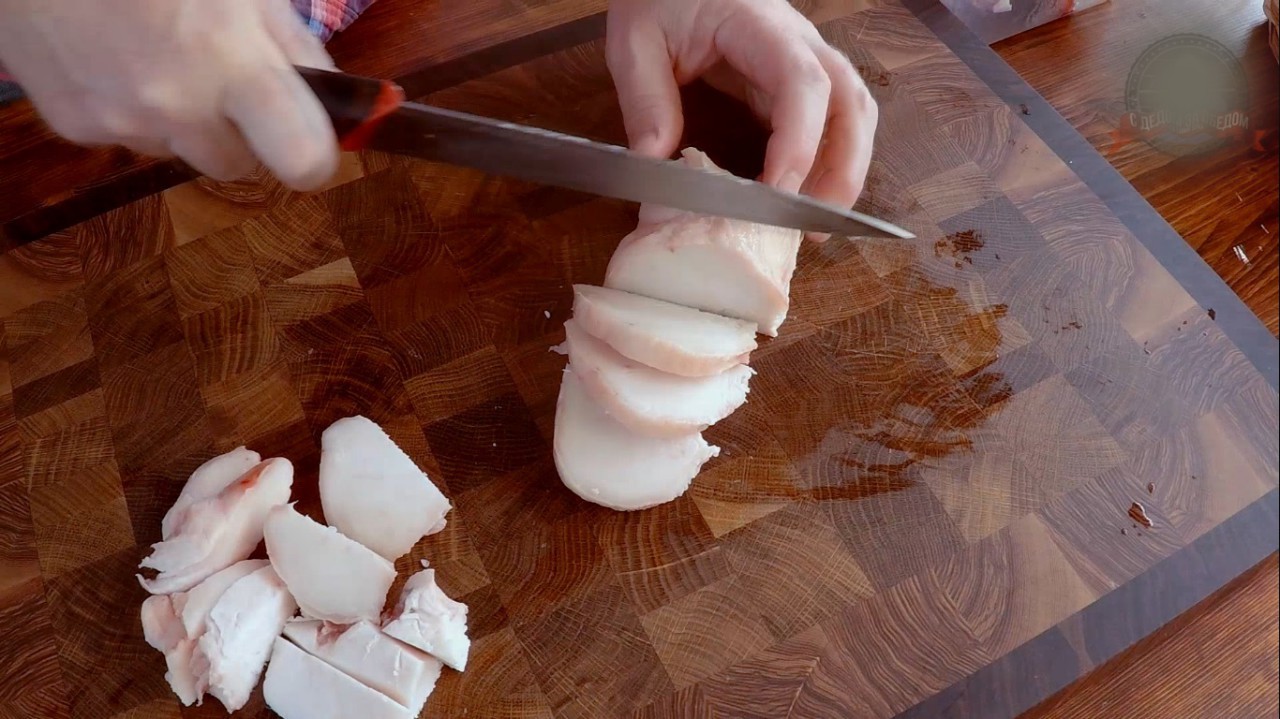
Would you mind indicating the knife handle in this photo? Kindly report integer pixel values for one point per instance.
(355, 104)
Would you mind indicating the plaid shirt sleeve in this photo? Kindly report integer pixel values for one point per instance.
(322, 17)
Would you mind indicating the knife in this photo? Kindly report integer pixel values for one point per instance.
(368, 113)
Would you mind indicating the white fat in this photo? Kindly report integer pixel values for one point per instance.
(604, 462)
(429, 620)
(650, 401)
(373, 492)
(333, 577)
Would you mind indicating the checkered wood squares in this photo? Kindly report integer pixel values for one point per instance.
(934, 465)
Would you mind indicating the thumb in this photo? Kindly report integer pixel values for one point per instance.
(647, 90)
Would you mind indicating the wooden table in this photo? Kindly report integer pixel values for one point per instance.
(1077, 358)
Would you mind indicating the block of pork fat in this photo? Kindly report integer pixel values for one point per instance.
(728, 267)
(209, 479)
(651, 401)
(366, 654)
(172, 623)
(373, 492)
(665, 336)
(603, 461)
(194, 606)
(241, 628)
(429, 620)
(299, 686)
(216, 532)
(332, 577)
(162, 629)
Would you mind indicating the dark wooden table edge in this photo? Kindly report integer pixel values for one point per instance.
(1051, 661)
(1235, 318)
(1054, 659)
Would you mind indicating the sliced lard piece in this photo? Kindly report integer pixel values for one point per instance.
(162, 628)
(666, 336)
(728, 267)
(218, 531)
(241, 629)
(300, 686)
(368, 655)
(208, 480)
(427, 619)
(161, 625)
(650, 401)
(183, 680)
(604, 462)
(332, 577)
(373, 492)
(197, 603)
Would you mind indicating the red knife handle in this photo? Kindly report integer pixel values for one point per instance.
(355, 104)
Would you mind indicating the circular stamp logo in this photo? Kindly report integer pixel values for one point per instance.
(1186, 95)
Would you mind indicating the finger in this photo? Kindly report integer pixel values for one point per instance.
(782, 65)
(215, 149)
(291, 34)
(285, 126)
(148, 147)
(845, 156)
(647, 90)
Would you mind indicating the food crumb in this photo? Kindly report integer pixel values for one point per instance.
(1025, 110)
(546, 313)
(1138, 513)
(1212, 315)
(1123, 530)
(1151, 487)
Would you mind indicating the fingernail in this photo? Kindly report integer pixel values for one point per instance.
(791, 182)
(648, 143)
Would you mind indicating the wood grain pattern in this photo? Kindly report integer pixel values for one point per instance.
(920, 511)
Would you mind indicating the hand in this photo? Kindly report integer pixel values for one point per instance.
(763, 52)
(209, 82)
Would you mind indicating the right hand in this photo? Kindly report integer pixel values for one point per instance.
(209, 82)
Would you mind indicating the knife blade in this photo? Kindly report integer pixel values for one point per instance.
(368, 113)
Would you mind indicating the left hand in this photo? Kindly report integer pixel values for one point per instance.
(765, 53)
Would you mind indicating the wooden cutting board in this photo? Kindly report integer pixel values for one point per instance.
(926, 509)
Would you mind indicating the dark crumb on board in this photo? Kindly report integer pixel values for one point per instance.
(1025, 110)
(1151, 487)
(873, 78)
(1123, 530)
(1138, 513)
(1213, 315)
(966, 240)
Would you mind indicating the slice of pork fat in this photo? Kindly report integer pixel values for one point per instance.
(209, 479)
(332, 577)
(650, 401)
(369, 656)
(426, 618)
(172, 624)
(668, 337)
(218, 531)
(299, 686)
(604, 462)
(373, 492)
(728, 267)
(242, 626)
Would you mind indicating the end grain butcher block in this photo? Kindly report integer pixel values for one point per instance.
(970, 467)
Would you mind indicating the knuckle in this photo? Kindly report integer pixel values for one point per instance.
(807, 71)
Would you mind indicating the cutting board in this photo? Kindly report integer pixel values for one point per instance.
(972, 466)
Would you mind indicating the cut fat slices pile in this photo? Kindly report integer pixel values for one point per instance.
(660, 352)
(221, 618)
